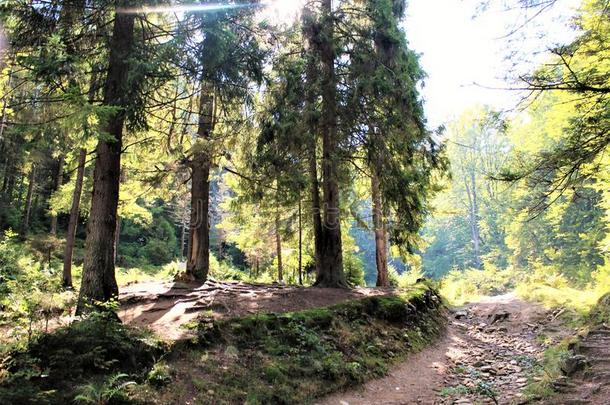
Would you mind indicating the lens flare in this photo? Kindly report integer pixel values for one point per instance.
(274, 10)
(184, 8)
(282, 11)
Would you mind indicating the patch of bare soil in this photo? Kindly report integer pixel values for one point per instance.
(487, 357)
(166, 307)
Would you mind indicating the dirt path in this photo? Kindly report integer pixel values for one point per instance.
(167, 307)
(487, 355)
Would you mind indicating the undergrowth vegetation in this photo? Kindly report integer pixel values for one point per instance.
(541, 283)
(33, 300)
(82, 359)
(260, 359)
(30, 292)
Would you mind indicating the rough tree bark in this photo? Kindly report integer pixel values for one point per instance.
(117, 239)
(381, 248)
(198, 264)
(331, 270)
(119, 223)
(74, 215)
(57, 185)
(99, 282)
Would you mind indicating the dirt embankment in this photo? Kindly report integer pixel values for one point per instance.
(294, 357)
(166, 307)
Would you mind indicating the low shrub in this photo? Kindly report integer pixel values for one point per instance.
(88, 351)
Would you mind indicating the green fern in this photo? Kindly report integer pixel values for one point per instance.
(102, 392)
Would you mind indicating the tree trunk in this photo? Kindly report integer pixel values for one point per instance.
(312, 126)
(331, 271)
(473, 215)
(198, 264)
(188, 240)
(58, 180)
(70, 11)
(117, 231)
(199, 236)
(99, 282)
(278, 247)
(5, 178)
(76, 197)
(8, 181)
(117, 239)
(3, 145)
(182, 237)
(19, 181)
(381, 249)
(74, 215)
(300, 243)
(3, 120)
(316, 208)
(25, 224)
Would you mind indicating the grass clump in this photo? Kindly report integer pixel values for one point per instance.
(160, 375)
(600, 314)
(548, 370)
(580, 301)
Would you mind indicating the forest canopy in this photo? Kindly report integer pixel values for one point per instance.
(215, 140)
(254, 202)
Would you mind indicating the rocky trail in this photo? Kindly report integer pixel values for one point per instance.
(488, 356)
